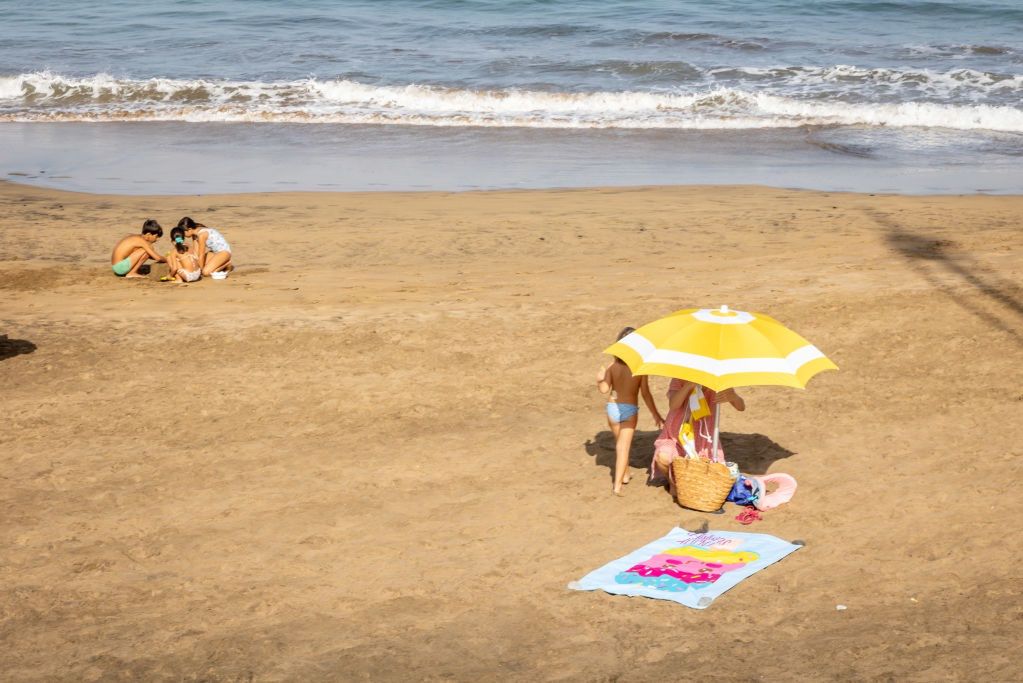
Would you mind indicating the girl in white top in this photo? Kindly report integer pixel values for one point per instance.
(213, 250)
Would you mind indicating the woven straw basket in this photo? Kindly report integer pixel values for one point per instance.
(701, 485)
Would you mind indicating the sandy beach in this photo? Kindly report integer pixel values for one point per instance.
(376, 451)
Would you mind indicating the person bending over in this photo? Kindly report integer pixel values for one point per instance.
(213, 250)
(133, 250)
(182, 262)
(688, 429)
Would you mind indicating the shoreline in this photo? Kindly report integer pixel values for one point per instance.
(181, 158)
(14, 182)
(375, 450)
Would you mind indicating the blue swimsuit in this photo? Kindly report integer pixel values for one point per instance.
(620, 412)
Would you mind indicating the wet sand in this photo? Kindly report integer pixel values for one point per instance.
(139, 158)
(375, 451)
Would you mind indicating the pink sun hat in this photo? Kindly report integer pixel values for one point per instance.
(786, 488)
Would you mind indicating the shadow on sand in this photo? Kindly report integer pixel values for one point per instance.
(754, 453)
(9, 348)
(928, 256)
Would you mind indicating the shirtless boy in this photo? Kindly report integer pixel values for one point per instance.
(623, 410)
(133, 250)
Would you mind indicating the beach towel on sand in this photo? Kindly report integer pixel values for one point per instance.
(686, 567)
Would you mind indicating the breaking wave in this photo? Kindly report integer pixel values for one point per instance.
(714, 104)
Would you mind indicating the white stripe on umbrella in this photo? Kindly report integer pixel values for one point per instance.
(714, 332)
(719, 368)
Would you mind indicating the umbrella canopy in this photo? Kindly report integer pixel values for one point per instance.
(721, 349)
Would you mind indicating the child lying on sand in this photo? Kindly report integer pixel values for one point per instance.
(133, 250)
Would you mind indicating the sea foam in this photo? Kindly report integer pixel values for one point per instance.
(45, 96)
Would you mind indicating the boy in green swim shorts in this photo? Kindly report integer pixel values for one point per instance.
(133, 250)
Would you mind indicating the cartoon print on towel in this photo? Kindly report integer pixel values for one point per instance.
(688, 567)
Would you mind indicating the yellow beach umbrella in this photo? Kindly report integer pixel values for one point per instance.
(721, 349)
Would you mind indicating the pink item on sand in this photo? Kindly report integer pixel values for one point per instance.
(748, 515)
(786, 488)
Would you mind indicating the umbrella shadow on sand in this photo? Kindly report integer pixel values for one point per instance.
(9, 348)
(753, 453)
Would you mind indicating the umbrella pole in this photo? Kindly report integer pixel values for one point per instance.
(717, 421)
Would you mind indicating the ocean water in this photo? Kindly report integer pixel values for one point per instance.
(901, 95)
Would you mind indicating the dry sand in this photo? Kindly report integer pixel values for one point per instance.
(376, 450)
